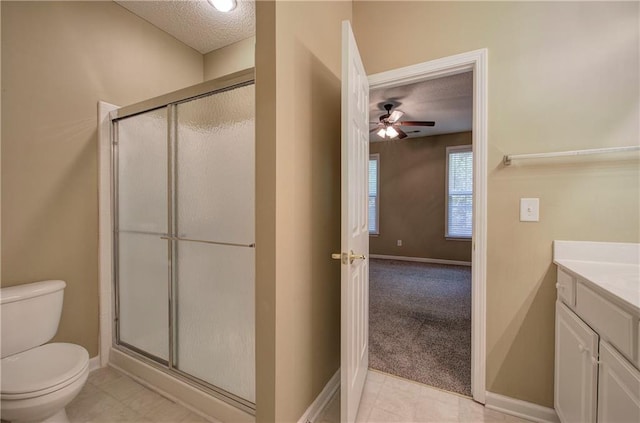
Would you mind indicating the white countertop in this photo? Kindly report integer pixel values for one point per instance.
(608, 252)
(618, 279)
(611, 267)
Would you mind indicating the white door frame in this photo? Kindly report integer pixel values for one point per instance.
(475, 61)
(105, 231)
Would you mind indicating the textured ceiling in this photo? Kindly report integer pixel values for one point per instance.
(448, 101)
(196, 23)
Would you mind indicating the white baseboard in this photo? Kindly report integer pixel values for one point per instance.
(94, 363)
(519, 408)
(420, 259)
(320, 403)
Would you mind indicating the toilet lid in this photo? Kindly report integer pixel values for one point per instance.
(42, 367)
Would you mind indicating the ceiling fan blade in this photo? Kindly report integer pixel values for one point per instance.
(417, 123)
(397, 114)
(374, 130)
(401, 133)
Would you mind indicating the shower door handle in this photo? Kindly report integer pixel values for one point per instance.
(203, 241)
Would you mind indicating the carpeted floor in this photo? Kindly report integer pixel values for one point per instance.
(420, 322)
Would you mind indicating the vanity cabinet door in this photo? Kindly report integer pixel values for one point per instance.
(575, 368)
(618, 388)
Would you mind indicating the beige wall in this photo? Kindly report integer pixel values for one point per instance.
(0, 145)
(58, 60)
(562, 76)
(298, 198)
(412, 198)
(265, 212)
(232, 58)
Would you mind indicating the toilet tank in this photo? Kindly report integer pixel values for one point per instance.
(29, 315)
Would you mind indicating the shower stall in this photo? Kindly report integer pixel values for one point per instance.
(183, 247)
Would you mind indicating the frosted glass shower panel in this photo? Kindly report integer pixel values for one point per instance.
(142, 172)
(215, 164)
(184, 238)
(215, 316)
(142, 293)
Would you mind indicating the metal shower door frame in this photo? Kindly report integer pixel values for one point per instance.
(170, 101)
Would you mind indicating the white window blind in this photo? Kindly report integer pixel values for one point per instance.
(459, 192)
(374, 161)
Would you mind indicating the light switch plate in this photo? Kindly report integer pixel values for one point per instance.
(529, 209)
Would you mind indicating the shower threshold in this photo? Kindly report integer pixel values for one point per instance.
(181, 389)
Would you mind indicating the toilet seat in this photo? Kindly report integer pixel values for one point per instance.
(42, 370)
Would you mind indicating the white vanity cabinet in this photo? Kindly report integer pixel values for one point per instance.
(597, 349)
(618, 388)
(576, 371)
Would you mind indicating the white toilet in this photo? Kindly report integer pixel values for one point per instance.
(38, 380)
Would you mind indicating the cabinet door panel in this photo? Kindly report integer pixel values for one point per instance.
(618, 388)
(575, 368)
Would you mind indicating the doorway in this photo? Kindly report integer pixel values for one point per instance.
(474, 62)
(420, 222)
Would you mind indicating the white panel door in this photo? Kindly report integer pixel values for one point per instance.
(354, 227)
(575, 368)
(618, 388)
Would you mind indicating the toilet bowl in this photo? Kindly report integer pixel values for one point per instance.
(38, 381)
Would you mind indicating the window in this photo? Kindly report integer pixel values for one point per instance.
(374, 172)
(459, 201)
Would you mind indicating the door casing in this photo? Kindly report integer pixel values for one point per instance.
(475, 61)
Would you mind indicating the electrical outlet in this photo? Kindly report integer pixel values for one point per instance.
(399, 243)
(529, 209)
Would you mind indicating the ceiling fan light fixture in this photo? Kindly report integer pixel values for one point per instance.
(396, 115)
(391, 132)
(223, 5)
(390, 126)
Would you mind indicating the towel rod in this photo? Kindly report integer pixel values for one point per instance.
(507, 158)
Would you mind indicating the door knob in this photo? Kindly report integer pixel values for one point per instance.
(353, 257)
(350, 257)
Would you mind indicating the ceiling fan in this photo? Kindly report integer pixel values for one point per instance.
(389, 125)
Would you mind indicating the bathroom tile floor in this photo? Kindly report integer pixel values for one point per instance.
(111, 397)
(389, 399)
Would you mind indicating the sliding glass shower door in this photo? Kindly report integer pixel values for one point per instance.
(184, 232)
(215, 226)
(142, 254)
